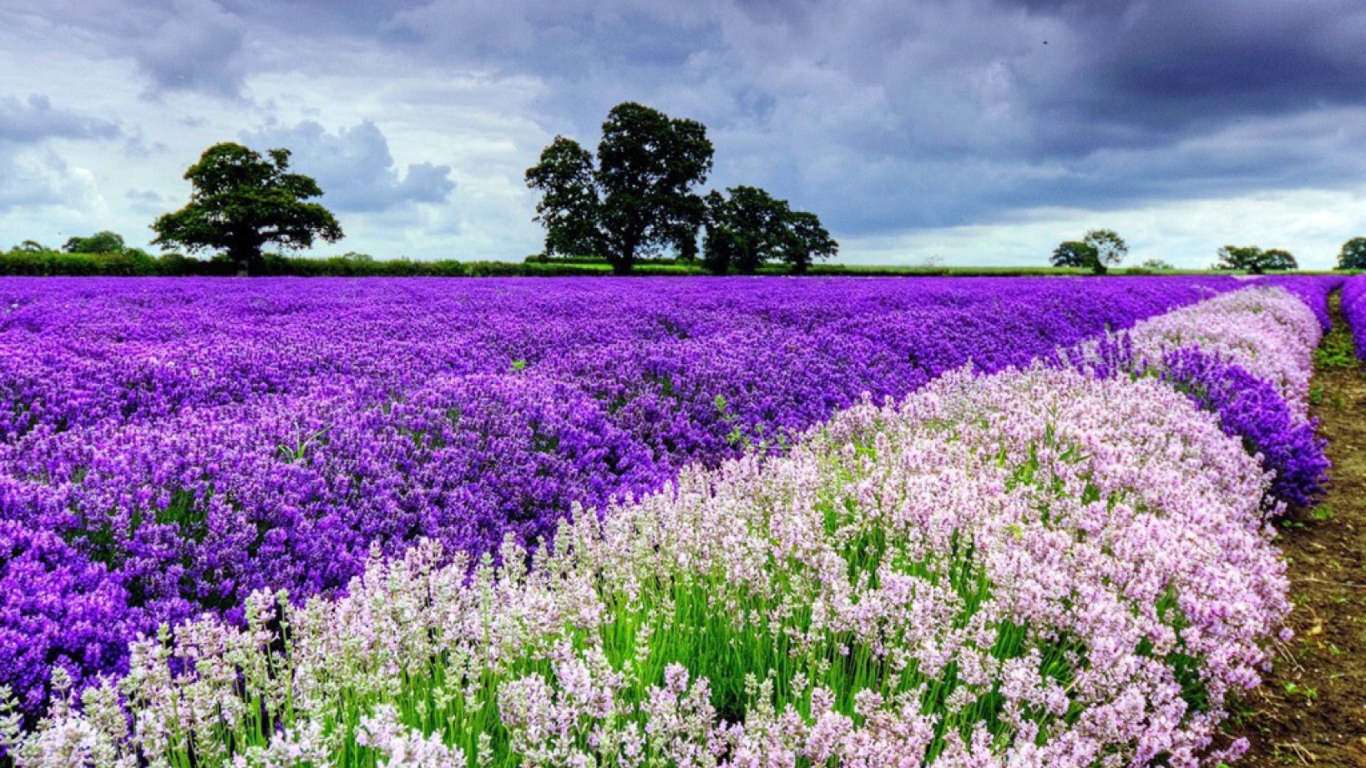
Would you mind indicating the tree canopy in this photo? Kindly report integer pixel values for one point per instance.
(100, 242)
(243, 201)
(1157, 265)
(1097, 251)
(1254, 260)
(1353, 254)
(635, 198)
(1074, 253)
(749, 228)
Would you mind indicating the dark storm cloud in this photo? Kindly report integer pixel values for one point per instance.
(878, 114)
(35, 119)
(628, 40)
(968, 111)
(1148, 73)
(354, 166)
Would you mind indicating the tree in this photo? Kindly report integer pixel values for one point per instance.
(635, 198)
(1110, 248)
(1253, 259)
(100, 242)
(1098, 250)
(1157, 265)
(1073, 253)
(1238, 258)
(1279, 260)
(807, 240)
(1353, 254)
(751, 228)
(242, 201)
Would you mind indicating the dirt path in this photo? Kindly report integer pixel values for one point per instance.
(1312, 708)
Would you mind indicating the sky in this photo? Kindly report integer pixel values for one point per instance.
(955, 132)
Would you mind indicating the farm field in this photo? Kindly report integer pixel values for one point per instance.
(809, 522)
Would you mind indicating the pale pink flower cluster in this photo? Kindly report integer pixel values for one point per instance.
(1036, 568)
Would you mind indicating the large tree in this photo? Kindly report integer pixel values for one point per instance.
(1353, 254)
(635, 198)
(1254, 260)
(750, 227)
(1110, 248)
(243, 201)
(1097, 251)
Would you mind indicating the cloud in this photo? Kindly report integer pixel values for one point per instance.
(885, 117)
(565, 36)
(35, 119)
(355, 168)
(25, 184)
(320, 18)
(195, 46)
(40, 179)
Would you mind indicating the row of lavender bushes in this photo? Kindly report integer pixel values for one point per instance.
(171, 446)
(1354, 309)
(1258, 390)
(1045, 566)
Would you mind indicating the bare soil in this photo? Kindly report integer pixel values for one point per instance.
(1311, 710)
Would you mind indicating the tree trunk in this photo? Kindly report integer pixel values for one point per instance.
(623, 260)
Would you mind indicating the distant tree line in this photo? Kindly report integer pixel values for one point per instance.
(36, 260)
(1101, 249)
(1254, 260)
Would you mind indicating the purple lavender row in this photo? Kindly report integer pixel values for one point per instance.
(1354, 308)
(171, 446)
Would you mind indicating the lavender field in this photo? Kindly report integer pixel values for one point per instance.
(646, 522)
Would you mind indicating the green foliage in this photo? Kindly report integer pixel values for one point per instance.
(1337, 350)
(1109, 247)
(1097, 251)
(570, 203)
(635, 199)
(241, 202)
(1157, 265)
(1353, 254)
(100, 242)
(129, 262)
(1073, 253)
(1254, 260)
(1279, 260)
(751, 228)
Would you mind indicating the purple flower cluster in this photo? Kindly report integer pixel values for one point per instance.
(170, 446)
(1252, 409)
(57, 609)
(1354, 308)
